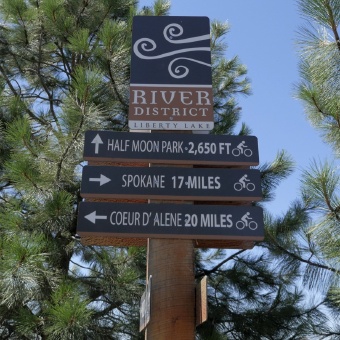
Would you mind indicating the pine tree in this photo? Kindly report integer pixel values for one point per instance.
(257, 294)
(319, 91)
(299, 255)
(303, 243)
(64, 69)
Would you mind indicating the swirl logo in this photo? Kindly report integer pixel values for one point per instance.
(170, 33)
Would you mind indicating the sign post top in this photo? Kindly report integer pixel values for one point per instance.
(171, 50)
(171, 81)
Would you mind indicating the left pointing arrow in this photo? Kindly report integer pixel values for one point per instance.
(93, 217)
(102, 180)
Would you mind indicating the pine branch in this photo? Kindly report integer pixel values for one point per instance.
(327, 335)
(219, 265)
(24, 26)
(50, 95)
(310, 310)
(67, 67)
(333, 24)
(85, 4)
(318, 107)
(63, 156)
(299, 258)
(115, 86)
(16, 94)
(79, 265)
(108, 309)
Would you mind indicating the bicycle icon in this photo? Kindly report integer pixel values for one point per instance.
(241, 184)
(241, 149)
(244, 222)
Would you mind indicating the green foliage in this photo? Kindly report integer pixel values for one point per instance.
(319, 68)
(23, 171)
(322, 12)
(68, 313)
(59, 204)
(64, 69)
(229, 79)
(319, 91)
(27, 323)
(272, 174)
(320, 186)
(249, 298)
(161, 7)
(25, 275)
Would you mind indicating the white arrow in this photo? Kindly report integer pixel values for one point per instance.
(102, 180)
(97, 141)
(93, 217)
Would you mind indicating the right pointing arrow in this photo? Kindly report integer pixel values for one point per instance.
(97, 141)
(102, 180)
(93, 217)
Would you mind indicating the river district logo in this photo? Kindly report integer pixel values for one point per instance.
(171, 85)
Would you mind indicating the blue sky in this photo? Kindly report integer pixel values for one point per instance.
(263, 34)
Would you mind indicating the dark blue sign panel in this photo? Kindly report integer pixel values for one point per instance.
(186, 221)
(171, 148)
(171, 183)
(171, 50)
(170, 84)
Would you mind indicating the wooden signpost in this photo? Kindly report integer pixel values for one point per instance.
(199, 187)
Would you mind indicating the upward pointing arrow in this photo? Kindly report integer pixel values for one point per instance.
(97, 141)
(93, 217)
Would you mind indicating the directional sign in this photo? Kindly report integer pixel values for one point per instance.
(171, 183)
(171, 148)
(214, 222)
